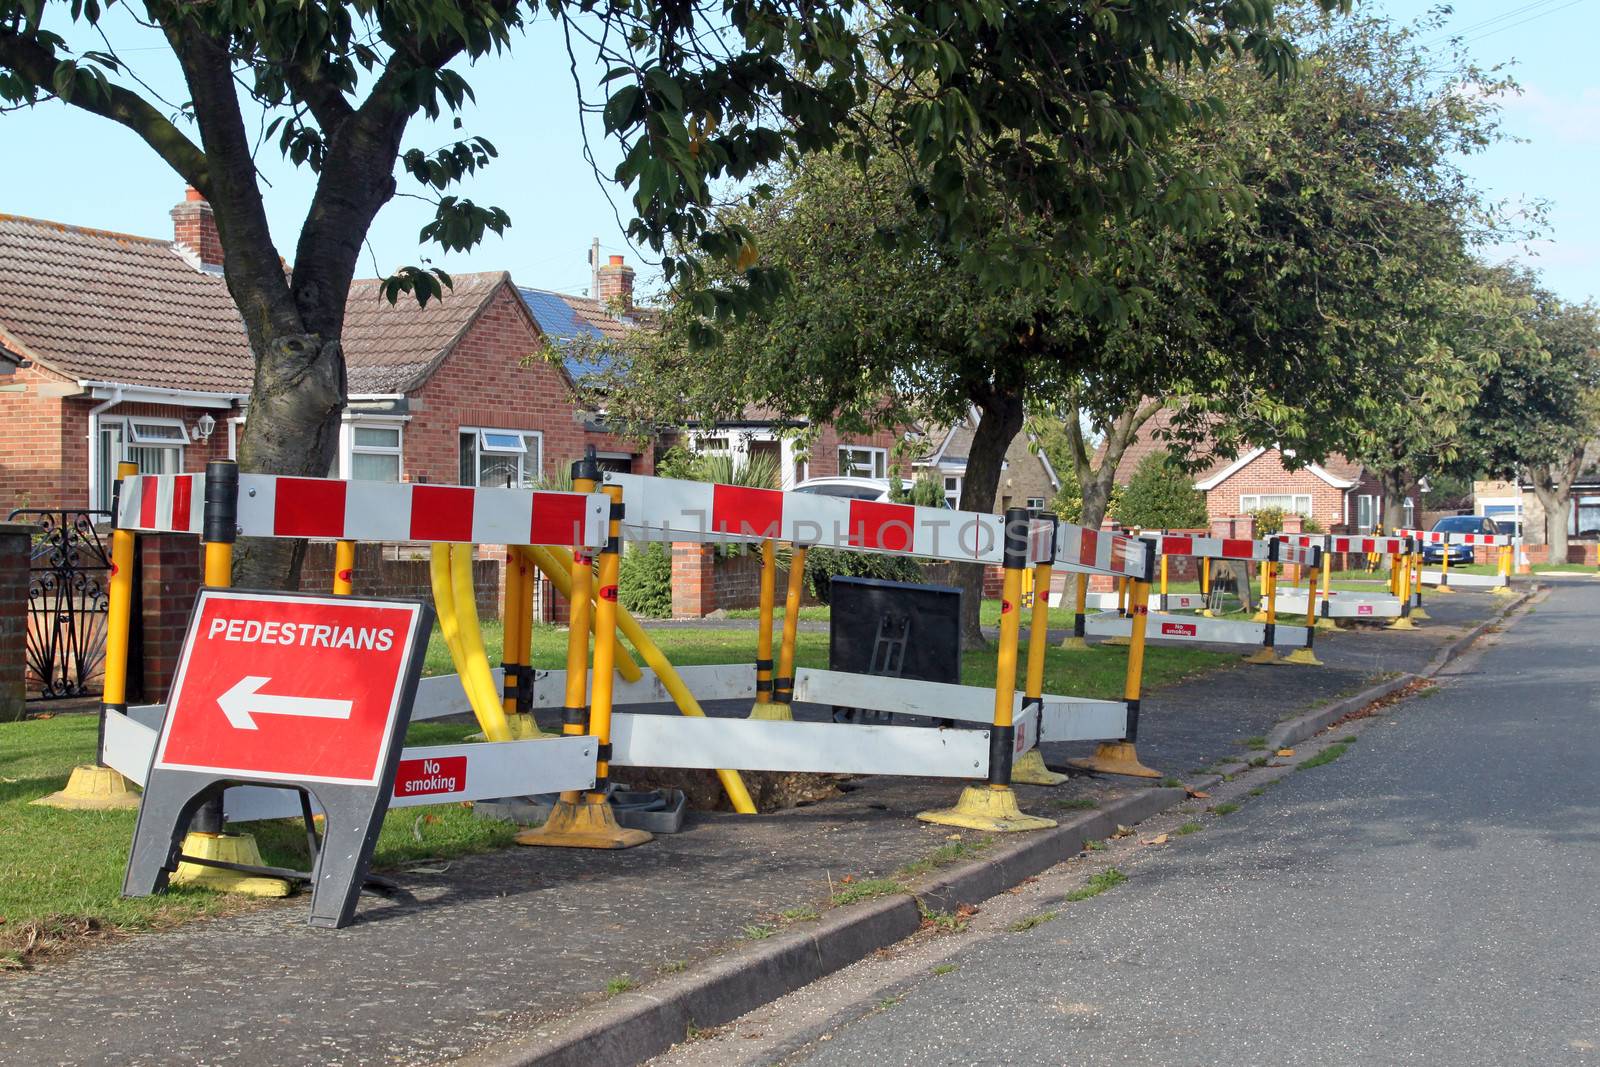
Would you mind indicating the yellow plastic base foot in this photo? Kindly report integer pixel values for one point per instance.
(1303, 656)
(1326, 624)
(1259, 616)
(1262, 655)
(1116, 757)
(94, 788)
(1206, 613)
(1444, 589)
(586, 823)
(773, 712)
(987, 807)
(1115, 642)
(1420, 615)
(1030, 770)
(1502, 590)
(1075, 644)
(523, 727)
(229, 848)
(1401, 623)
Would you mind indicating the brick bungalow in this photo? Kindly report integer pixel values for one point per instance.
(1026, 477)
(131, 346)
(1338, 493)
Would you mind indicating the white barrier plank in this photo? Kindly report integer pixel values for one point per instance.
(1465, 581)
(431, 774)
(902, 696)
(441, 695)
(1345, 605)
(823, 747)
(1161, 627)
(1073, 719)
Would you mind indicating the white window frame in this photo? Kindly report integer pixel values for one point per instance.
(877, 461)
(348, 449)
(528, 472)
(1249, 502)
(1035, 503)
(123, 430)
(952, 493)
(137, 439)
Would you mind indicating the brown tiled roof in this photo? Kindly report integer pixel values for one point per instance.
(1149, 440)
(392, 348)
(104, 306)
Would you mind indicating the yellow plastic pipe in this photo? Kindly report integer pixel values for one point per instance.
(559, 571)
(548, 559)
(485, 706)
(605, 643)
(119, 610)
(1038, 635)
(344, 567)
(783, 684)
(511, 632)
(769, 584)
(472, 650)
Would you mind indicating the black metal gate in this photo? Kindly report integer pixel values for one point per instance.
(68, 579)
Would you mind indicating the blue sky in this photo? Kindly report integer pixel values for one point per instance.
(80, 169)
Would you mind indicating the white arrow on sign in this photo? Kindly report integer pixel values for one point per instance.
(244, 700)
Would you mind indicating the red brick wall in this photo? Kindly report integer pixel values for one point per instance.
(170, 568)
(824, 461)
(15, 542)
(1266, 474)
(1585, 552)
(497, 377)
(46, 459)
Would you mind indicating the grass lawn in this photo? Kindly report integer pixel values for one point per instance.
(59, 868)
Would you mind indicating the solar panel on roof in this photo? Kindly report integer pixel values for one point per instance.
(556, 317)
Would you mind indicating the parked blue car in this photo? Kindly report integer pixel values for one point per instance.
(1457, 524)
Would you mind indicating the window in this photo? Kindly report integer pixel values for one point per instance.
(1366, 512)
(1411, 514)
(500, 458)
(374, 452)
(862, 462)
(1291, 503)
(155, 445)
(952, 491)
(1036, 503)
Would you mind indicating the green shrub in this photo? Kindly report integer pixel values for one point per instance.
(644, 585)
(927, 491)
(1161, 496)
(823, 563)
(1268, 521)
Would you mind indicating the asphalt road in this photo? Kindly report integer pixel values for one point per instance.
(1432, 897)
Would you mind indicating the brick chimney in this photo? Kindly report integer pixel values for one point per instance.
(194, 232)
(616, 285)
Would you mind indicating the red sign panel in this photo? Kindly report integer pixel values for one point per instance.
(279, 686)
(421, 777)
(1178, 629)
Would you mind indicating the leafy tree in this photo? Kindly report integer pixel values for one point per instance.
(1538, 414)
(701, 98)
(1161, 496)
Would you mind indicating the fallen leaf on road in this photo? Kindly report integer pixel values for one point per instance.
(1122, 831)
(1199, 794)
(1285, 752)
(1159, 839)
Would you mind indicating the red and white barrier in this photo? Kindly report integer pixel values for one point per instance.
(1198, 629)
(276, 506)
(668, 509)
(1437, 537)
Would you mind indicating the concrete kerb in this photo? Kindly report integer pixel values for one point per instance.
(635, 1026)
(632, 1027)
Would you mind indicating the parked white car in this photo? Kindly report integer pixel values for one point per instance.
(848, 486)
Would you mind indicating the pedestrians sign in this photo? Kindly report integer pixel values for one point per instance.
(300, 691)
(284, 686)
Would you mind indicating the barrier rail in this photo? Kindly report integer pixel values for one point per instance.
(1499, 582)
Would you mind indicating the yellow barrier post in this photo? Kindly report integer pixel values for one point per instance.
(556, 565)
(993, 806)
(1163, 601)
(769, 591)
(1324, 610)
(586, 820)
(1444, 566)
(1122, 756)
(550, 561)
(1504, 572)
(1267, 653)
(1205, 585)
(781, 709)
(1306, 655)
(207, 839)
(1030, 769)
(1414, 562)
(516, 620)
(1076, 642)
(94, 786)
(1400, 564)
(524, 609)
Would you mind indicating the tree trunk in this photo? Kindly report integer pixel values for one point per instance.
(1395, 483)
(1096, 483)
(1552, 484)
(999, 422)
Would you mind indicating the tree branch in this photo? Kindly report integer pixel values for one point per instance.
(37, 64)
